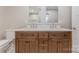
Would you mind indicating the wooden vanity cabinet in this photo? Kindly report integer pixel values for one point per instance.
(26, 42)
(43, 42)
(64, 46)
(24, 45)
(60, 42)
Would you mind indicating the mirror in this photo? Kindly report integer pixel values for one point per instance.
(34, 14)
(51, 14)
(43, 14)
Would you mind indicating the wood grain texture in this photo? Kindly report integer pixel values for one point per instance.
(43, 42)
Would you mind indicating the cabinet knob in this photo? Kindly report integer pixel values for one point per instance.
(65, 35)
(53, 35)
(32, 34)
(27, 41)
(74, 28)
(59, 41)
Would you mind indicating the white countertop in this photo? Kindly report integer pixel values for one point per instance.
(39, 29)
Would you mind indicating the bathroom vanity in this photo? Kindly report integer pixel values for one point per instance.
(43, 41)
(44, 32)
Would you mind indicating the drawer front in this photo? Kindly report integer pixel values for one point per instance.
(60, 35)
(67, 34)
(23, 35)
(28, 39)
(55, 34)
(43, 34)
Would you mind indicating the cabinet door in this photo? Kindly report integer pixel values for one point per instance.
(64, 46)
(27, 45)
(53, 45)
(43, 45)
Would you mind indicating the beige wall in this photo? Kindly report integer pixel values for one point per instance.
(11, 17)
(2, 17)
(65, 16)
(15, 16)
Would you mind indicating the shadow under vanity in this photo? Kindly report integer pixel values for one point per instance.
(44, 31)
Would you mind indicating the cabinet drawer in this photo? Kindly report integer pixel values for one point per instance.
(43, 34)
(67, 34)
(59, 39)
(55, 35)
(24, 35)
(28, 39)
(60, 35)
